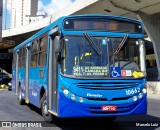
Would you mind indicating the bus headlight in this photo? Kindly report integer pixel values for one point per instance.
(80, 99)
(65, 92)
(140, 95)
(73, 97)
(134, 98)
(144, 90)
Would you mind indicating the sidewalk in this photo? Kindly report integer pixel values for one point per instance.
(154, 96)
(153, 87)
(153, 90)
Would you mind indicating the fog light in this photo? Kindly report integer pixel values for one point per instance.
(62, 87)
(134, 98)
(140, 95)
(144, 90)
(65, 92)
(73, 97)
(80, 99)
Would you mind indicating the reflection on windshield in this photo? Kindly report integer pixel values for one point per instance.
(127, 59)
(121, 44)
(97, 49)
(80, 57)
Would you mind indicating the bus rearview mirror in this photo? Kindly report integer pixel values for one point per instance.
(58, 56)
(57, 48)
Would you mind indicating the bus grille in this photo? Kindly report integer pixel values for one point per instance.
(105, 99)
(107, 85)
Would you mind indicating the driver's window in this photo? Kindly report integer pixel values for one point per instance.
(132, 52)
(120, 56)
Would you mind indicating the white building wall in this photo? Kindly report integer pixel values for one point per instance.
(21, 10)
(34, 7)
(13, 14)
(16, 13)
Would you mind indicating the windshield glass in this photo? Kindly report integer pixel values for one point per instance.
(88, 56)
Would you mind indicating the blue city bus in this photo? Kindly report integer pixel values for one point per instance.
(72, 69)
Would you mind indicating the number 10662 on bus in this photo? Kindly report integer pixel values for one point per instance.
(132, 91)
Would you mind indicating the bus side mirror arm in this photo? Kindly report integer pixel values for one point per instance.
(57, 48)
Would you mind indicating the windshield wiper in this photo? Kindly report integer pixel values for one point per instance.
(97, 50)
(121, 44)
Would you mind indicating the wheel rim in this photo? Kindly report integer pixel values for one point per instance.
(45, 110)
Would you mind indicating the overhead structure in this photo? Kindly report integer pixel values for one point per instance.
(127, 8)
(152, 27)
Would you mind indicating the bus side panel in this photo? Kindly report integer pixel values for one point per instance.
(36, 81)
(34, 90)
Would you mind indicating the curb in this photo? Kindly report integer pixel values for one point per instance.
(153, 96)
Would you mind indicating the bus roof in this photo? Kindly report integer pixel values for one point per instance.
(59, 21)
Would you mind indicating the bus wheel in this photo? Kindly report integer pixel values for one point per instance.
(20, 99)
(46, 115)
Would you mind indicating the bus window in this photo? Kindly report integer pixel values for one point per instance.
(42, 51)
(21, 57)
(19, 60)
(34, 60)
(34, 53)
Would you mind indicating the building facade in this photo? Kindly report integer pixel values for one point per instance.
(21, 11)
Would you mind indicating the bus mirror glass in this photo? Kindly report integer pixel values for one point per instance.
(58, 56)
(58, 53)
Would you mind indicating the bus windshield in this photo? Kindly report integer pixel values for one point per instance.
(88, 56)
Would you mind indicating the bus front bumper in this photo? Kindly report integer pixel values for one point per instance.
(68, 108)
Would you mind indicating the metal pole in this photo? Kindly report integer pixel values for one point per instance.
(2, 56)
(5, 14)
(1, 11)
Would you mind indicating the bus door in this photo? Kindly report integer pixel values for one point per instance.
(53, 71)
(27, 62)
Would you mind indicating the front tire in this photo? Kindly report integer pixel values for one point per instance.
(46, 115)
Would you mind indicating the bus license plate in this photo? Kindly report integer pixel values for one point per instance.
(109, 108)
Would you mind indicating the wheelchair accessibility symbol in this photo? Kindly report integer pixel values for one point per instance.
(115, 72)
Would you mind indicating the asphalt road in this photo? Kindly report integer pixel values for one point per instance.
(10, 110)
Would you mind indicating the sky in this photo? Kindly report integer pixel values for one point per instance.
(47, 6)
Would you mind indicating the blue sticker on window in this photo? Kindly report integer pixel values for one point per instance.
(115, 72)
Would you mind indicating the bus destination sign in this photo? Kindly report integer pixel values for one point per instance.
(100, 24)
